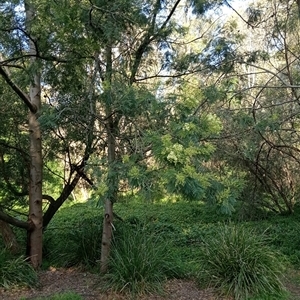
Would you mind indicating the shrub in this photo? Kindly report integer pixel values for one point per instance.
(140, 261)
(15, 271)
(237, 262)
(79, 244)
(87, 241)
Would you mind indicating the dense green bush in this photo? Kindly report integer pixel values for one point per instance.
(140, 261)
(74, 237)
(237, 262)
(78, 245)
(15, 271)
(284, 235)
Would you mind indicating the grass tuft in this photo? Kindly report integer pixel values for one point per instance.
(237, 262)
(140, 262)
(16, 271)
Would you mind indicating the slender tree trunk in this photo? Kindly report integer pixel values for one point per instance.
(106, 235)
(9, 237)
(112, 178)
(35, 190)
(112, 181)
(35, 217)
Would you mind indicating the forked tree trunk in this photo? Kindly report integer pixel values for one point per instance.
(35, 217)
(9, 237)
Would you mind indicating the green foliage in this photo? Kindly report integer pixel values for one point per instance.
(61, 296)
(16, 271)
(237, 262)
(74, 237)
(140, 261)
(225, 189)
(202, 6)
(188, 236)
(283, 234)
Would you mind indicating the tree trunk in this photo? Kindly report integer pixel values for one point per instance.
(35, 217)
(35, 186)
(112, 177)
(106, 235)
(9, 237)
(113, 183)
(56, 204)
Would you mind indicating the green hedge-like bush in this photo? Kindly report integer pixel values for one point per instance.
(237, 262)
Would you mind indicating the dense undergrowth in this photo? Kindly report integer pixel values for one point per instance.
(153, 242)
(15, 271)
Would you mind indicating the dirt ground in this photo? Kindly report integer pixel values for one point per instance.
(87, 285)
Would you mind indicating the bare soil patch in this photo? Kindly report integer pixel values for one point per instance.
(88, 286)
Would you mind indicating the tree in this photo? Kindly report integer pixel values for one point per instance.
(260, 108)
(33, 102)
(109, 112)
(22, 51)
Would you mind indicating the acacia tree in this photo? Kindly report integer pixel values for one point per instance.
(146, 136)
(103, 66)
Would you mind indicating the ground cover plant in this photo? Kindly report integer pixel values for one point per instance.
(140, 257)
(73, 238)
(60, 296)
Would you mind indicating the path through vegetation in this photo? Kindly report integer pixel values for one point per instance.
(88, 286)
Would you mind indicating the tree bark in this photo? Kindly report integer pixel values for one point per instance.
(106, 235)
(9, 237)
(112, 178)
(35, 236)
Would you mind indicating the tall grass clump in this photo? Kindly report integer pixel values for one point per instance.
(237, 262)
(76, 244)
(15, 271)
(140, 261)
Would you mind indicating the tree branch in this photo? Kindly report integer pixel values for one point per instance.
(13, 221)
(49, 198)
(170, 15)
(148, 38)
(18, 91)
